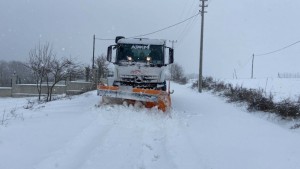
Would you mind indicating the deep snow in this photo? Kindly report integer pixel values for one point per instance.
(201, 131)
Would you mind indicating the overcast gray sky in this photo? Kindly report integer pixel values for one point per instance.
(233, 31)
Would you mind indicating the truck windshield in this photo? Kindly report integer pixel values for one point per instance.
(139, 53)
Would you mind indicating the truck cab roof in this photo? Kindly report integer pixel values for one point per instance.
(142, 41)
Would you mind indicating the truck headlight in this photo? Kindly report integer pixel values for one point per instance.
(129, 58)
(148, 58)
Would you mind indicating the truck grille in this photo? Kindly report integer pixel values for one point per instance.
(138, 79)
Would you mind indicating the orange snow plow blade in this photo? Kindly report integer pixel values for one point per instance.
(149, 97)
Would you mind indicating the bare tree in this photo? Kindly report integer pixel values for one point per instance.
(100, 71)
(47, 68)
(87, 73)
(40, 64)
(102, 66)
(177, 73)
(61, 69)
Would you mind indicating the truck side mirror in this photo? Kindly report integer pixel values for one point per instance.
(109, 53)
(171, 55)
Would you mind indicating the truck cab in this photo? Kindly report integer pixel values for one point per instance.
(140, 62)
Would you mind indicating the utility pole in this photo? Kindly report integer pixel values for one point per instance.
(93, 65)
(201, 45)
(252, 66)
(94, 71)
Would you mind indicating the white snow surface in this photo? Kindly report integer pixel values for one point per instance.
(201, 131)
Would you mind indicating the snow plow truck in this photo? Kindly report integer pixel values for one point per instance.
(139, 73)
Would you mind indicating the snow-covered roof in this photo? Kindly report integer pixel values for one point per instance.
(142, 41)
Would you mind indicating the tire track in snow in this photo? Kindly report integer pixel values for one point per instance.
(120, 149)
(137, 141)
(75, 152)
(127, 138)
(178, 145)
(154, 152)
(124, 146)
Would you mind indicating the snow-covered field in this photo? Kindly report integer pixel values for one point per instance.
(201, 131)
(281, 88)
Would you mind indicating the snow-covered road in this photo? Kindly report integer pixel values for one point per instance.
(202, 131)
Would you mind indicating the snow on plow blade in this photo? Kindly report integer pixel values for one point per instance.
(149, 97)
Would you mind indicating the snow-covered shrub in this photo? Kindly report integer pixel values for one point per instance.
(256, 99)
(288, 109)
(296, 126)
(30, 104)
(208, 83)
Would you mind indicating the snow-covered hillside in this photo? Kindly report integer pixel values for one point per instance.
(202, 131)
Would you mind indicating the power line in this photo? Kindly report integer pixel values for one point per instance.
(185, 10)
(186, 29)
(244, 64)
(268, 53)
(165, 27)
(190, 11)
(183, 15)
(278, 49)
(141, 35)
